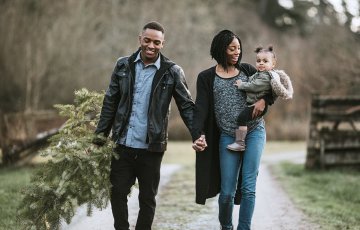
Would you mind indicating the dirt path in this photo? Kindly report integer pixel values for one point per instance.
(103, 219)
(273, 210)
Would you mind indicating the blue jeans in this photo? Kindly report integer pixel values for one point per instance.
(230, 163)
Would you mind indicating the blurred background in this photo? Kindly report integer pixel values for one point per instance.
(48, 49)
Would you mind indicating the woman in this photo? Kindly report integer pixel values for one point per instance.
(217, 105)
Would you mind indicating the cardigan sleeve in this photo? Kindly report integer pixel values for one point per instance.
(202, 106)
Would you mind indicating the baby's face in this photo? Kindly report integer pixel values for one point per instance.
(265, 61)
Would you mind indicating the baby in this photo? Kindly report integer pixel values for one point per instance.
(265, 81)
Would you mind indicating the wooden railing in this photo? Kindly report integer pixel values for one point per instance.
(22, 133)
(334, 134)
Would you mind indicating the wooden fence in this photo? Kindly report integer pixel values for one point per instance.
(20, 132)
(334, 134)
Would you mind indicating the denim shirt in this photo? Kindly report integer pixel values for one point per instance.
(136, 131)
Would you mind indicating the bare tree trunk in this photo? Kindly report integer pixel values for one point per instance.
(349, 16)
(28, 74)
(263, 7)
(2, 130)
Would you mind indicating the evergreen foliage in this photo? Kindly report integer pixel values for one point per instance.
(76, 173)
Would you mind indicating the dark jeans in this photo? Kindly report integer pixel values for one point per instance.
(246, 115)
(140, 164)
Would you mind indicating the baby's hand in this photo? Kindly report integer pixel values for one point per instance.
(238, 83)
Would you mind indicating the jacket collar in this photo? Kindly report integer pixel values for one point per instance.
(165, 63)
(156, 63)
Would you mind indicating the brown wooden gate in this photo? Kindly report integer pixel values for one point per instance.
(334, 134)
(23, 131)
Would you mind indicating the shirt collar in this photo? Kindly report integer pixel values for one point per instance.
(156, 63)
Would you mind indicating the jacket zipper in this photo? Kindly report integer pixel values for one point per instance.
(121, 129)
(152, 97)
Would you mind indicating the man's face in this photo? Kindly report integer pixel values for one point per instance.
(151, 42)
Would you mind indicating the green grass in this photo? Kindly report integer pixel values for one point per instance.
(330, 198)
(12, 181)
(275, 147)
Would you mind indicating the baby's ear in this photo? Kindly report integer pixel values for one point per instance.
(274, 62)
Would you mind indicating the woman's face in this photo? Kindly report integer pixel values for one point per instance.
(233, 52)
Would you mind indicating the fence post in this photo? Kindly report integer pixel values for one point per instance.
(333, 138)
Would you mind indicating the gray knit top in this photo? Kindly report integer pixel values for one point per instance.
(229, 102)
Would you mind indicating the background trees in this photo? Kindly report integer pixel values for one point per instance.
(49, 49)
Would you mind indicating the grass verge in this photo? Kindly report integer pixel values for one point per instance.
(13, 181)
(330, 198)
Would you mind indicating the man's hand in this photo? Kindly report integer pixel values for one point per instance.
(199, 144)
(99, 139)
(259, 107)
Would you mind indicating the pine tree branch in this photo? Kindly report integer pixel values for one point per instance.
(76, 173)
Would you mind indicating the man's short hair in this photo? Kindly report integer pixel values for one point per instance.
(155, 26)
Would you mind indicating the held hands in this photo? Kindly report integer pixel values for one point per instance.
(199, 144)
(238, 83)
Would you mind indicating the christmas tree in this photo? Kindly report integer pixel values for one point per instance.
(77, 171)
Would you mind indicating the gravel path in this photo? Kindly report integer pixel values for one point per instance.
(273, 210)
(103, 219)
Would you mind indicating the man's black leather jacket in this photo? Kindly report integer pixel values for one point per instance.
(169, 81)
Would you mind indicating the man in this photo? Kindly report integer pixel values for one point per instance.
(136, 108)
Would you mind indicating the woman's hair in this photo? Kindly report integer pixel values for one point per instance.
(270, 49)
(219, 45)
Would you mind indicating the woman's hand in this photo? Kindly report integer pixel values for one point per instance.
(199, 144)
(259, 107)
